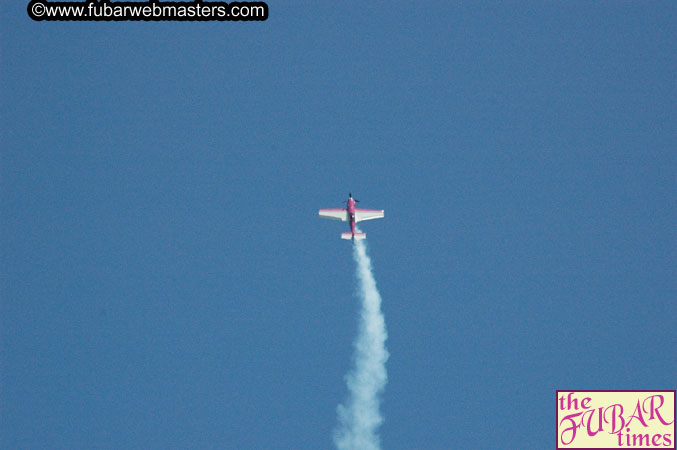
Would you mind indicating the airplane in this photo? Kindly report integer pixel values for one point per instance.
(352, 215)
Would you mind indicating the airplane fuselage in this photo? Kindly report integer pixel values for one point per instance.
(351, 214)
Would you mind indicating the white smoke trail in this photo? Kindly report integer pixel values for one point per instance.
(360, 418)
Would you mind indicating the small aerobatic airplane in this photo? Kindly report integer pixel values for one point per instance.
(352, 215)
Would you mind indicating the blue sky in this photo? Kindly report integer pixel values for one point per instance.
(165, 280)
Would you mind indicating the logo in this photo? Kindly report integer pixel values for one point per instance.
(616, 419)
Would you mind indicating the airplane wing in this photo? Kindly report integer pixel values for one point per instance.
(334, 214)
(368, 214)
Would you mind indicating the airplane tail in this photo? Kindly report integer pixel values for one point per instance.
(357, 236)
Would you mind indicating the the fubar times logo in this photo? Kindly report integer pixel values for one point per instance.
(616, 419)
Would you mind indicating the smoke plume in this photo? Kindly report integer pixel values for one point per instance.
(360, 416)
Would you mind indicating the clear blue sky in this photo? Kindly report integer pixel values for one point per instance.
(166, 282)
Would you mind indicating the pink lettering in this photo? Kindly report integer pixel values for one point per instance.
(637, 415)
(654, 409)
(591, 413)
(616, 415)
(573, 426)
